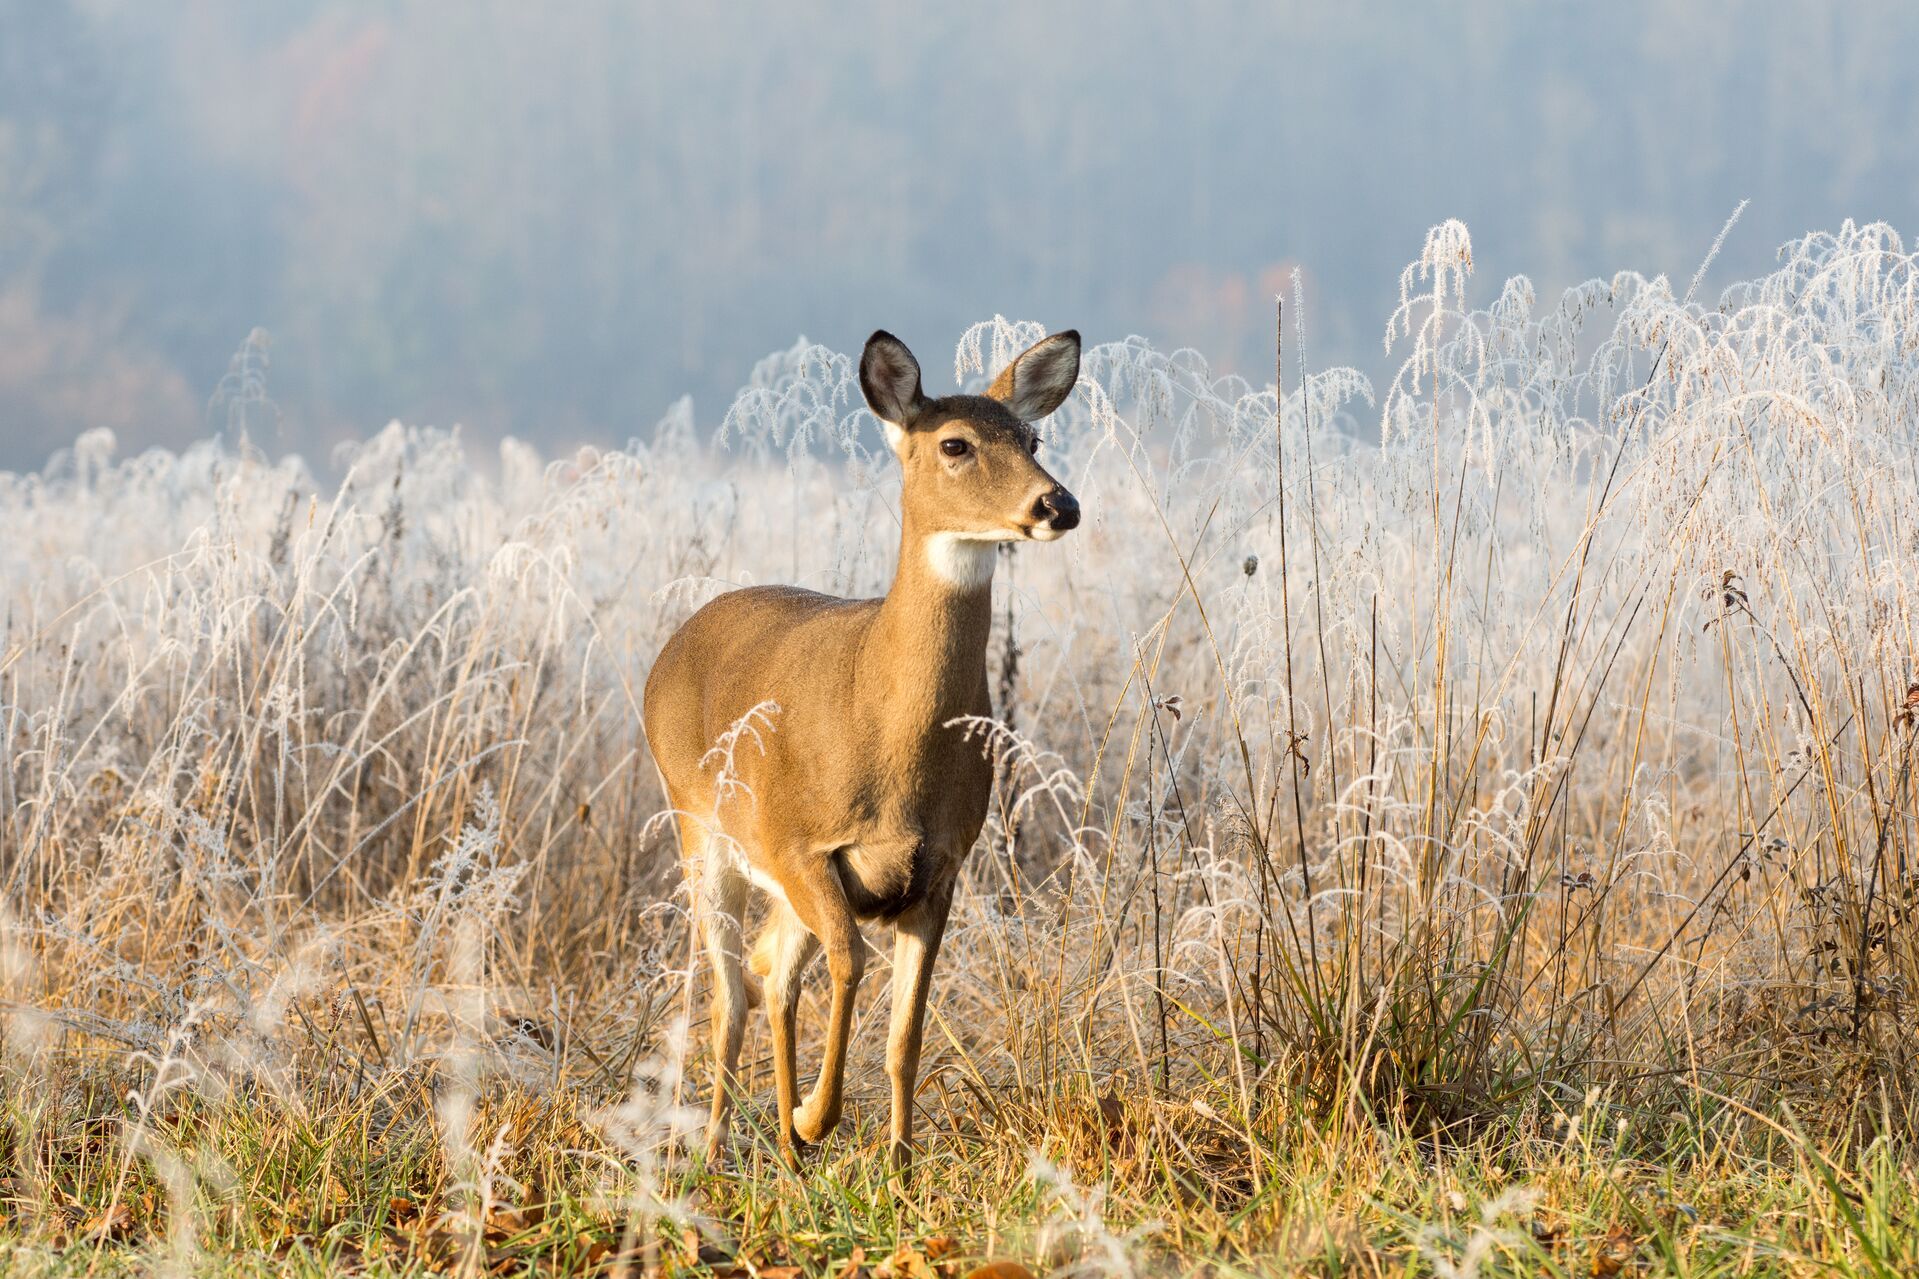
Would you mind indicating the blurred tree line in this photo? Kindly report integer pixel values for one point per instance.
(553, 220)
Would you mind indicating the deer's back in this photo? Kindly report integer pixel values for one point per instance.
(767, 659)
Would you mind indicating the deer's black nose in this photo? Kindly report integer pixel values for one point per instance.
(1057, 508)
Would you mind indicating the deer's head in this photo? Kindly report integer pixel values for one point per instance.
(971, 477)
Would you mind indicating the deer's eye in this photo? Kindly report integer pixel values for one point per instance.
(954, 447)
(1032, 446)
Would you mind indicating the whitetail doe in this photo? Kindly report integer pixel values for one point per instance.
(855, 795)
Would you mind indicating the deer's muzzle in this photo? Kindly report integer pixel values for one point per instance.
(1057, 510)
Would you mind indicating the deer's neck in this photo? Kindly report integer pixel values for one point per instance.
(927, 649)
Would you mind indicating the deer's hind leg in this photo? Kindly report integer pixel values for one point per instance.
(721, 892)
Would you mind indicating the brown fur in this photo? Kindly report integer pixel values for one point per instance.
(858, 798)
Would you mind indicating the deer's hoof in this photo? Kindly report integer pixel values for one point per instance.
(812, 1123)
(793, 1151)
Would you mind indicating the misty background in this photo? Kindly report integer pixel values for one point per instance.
(552, 221)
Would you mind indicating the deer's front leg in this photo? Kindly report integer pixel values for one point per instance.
(915, 947)
(818, 899)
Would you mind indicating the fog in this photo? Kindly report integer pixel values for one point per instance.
(552, 224)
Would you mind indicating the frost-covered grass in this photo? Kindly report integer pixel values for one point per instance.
(1486, 850)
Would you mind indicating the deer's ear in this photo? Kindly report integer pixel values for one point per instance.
(890, 380)
(1041, 378)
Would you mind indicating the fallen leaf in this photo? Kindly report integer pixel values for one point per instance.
(1000, 1270)
(504, 1223)
(1614, 1254)
(112, 1222)
(907, 1263)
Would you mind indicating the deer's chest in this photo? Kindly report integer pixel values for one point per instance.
(916, 823)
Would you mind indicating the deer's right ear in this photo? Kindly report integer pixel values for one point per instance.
(890, 379)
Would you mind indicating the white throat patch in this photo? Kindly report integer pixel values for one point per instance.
(964, 560)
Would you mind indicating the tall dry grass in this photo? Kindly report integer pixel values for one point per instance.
(1526, 741)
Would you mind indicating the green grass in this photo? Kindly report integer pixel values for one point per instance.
(362, 1183)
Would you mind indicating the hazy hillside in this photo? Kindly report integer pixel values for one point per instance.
(555, 221)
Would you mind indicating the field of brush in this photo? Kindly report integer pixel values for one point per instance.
(1461, 826)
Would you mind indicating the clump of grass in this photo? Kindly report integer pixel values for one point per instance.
(1460, 830)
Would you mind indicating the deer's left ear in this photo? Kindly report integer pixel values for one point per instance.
(1041, 378)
